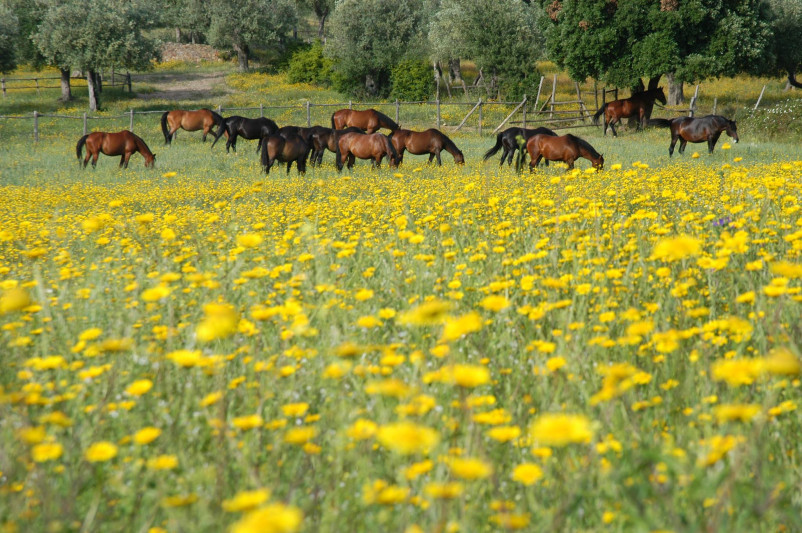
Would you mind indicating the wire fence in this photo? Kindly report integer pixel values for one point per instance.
(10, 84)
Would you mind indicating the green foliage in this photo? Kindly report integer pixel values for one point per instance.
(242, 24)
(9, 28)
(500, 36)
(310, 65)
(786, 21)
(412, 80)
(620, 42)
(368, 37)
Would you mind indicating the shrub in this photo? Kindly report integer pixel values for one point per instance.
(309, 65)
(412, 79)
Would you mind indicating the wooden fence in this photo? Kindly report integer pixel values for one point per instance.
(9, 84)
(556, 114)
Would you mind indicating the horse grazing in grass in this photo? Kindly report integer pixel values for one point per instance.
(372, 146)
(285, 149)
(431, 141)
(202, 119)
(304, 133)
(638, 105)
(323, 138)
(247, 128)
(696, 130)
(509, 139)
(567, 148)
(369, 120)
(123, 143)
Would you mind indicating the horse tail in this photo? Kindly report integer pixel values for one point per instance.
(220, 130)
(332, 121)
(167, 137)
(79, 148)
(660, 122)
(495, 149)
(599, 113)
(218, 119)
(265, 156)
(391, 151)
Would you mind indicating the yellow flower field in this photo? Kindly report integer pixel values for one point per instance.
(447, 350)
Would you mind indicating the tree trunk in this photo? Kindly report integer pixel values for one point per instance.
(178, 35)
(321, 27)
(675, 95)
(94, 100)
(98, 82)
(370, 84)
(792, 80)
(66, 90)
(242, 56)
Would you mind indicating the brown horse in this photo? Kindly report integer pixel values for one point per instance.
(639, 105)
(372, 146)
(285, 149)
(202, 119)
(323, 138)
(123, 143)
(430, 142)
(697, 130)
(567, 148)
(369, 120)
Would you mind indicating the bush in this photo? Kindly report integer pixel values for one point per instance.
(309, 65)
(412, 79)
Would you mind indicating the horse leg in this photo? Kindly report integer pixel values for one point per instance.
(289, 166)
(431, 157)
(122, 160)
(205, 133)
(127, 156)
(351, 161)
(673, 143)
(437, 155)
(86, 159)
(712, 140)
(570, 165)
(94, 159)
(682, 145)
(612, 128)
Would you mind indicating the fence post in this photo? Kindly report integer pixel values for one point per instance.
(396, 110)
(85, 129)
(128, 80)
(539, 87)
(308, 115)
(715, 104)
(759, 98)
(523, 112)
(438, 113)
(36, 126)
(4, 87)
(261, 110)
(131, 126)
(480, 117)
(37, 85)
(596, 93)
(350, 105)
(553, 94)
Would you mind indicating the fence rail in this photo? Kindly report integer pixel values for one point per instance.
(546, 113)
(124, 81)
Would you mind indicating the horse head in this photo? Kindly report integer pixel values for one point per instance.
(459, 158)
(150, 163)
(732, 129)
(599, 163)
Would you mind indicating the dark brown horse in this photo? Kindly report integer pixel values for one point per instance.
(372, 146)
(369, 120)
(122, 143)
(567, 148)
(638, 105)
(285, 149)
(323, 138)
(430, 142)
(202, 119)
(509, 139)
(247, 128)
(696, 130)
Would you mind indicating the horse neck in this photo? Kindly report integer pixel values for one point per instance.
(590, 155)
(449, 146)
(142, 147)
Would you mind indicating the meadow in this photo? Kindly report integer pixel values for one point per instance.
(201, 347)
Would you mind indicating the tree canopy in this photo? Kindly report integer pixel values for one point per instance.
(9, 28)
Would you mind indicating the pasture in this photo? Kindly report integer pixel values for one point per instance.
(200, 347)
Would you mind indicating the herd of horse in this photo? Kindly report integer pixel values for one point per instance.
(355, 134)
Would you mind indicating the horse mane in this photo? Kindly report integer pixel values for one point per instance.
(140, 144)
(449, 144)
(387, 119)
(216, 116)
(584, 144)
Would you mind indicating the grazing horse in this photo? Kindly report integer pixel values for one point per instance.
(304, 133)
(430, 142)
(202, 119)
(508, 139)
(285, 149)
(372, 146)
(567, 148)
(369, 120)
(323, 138)
(247, 128)
(123, 143)
(638, 105)
(696, 130)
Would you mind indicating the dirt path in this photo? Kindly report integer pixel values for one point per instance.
(185, 86)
